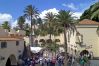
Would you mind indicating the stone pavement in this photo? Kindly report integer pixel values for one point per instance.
(94, 62)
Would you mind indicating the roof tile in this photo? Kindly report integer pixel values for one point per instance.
(88, 22)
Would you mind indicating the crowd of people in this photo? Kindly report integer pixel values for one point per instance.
(43, 61)
(57, 60)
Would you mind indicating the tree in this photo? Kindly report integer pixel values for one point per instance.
(65, 19)
(50, 17)
(6, 25)
(39, 24)
(91, 13)
(21, 21)
(31, 13)
(95, 12)
(86, 14)
(27, 29)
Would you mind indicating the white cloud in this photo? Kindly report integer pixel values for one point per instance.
(77, 14)
(14, 23)
(8, 17)
(53, 10)
(5, 17)
(42, 15)
(71, 6)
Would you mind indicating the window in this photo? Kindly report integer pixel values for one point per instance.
(17, 43)
(19, 51)
(3, 44)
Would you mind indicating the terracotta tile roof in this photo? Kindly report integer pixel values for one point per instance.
(88, 22)
(8, 39)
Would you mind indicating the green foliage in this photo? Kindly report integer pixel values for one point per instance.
(27, 32)
(27, 29)
(30, 13)
(65, 20)
(91, 13)
(53, 46)
(86, 14)
(50, 19)
(6, 25)
(64, 17)
(21, 22)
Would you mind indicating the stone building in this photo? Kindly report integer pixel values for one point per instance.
(11, 46)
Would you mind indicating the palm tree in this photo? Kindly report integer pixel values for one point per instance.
(31, 13)
(21, 21)
(6, 25)
(50, 17)
(65, 19)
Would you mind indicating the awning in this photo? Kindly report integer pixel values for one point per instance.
(35, 49)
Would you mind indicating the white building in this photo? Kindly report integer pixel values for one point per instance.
(11, 46)
(89, 39)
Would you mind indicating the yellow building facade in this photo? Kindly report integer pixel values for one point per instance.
(87, 28)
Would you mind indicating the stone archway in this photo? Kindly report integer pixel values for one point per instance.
(8, 63)
(11, 61)
(84, 52)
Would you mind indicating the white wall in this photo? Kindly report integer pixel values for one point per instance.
(90, 37)
(11, 49)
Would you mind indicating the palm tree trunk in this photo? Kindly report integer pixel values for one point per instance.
(65, 46)
(34, 35)
(31, 33)
(50, 36)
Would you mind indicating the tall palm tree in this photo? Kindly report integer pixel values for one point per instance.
(31, 13)
(21, 21)
(6, 25)
(50, 17)
(65, 19)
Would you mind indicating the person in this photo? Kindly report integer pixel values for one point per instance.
(73, 59)
(53, 61)
(21, 62)
(60, 61)
(48, 61)
(33, 62)
(41, 61)
(28, 62)
(69, 61)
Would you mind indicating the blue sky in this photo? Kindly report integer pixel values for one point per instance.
(14, 8)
